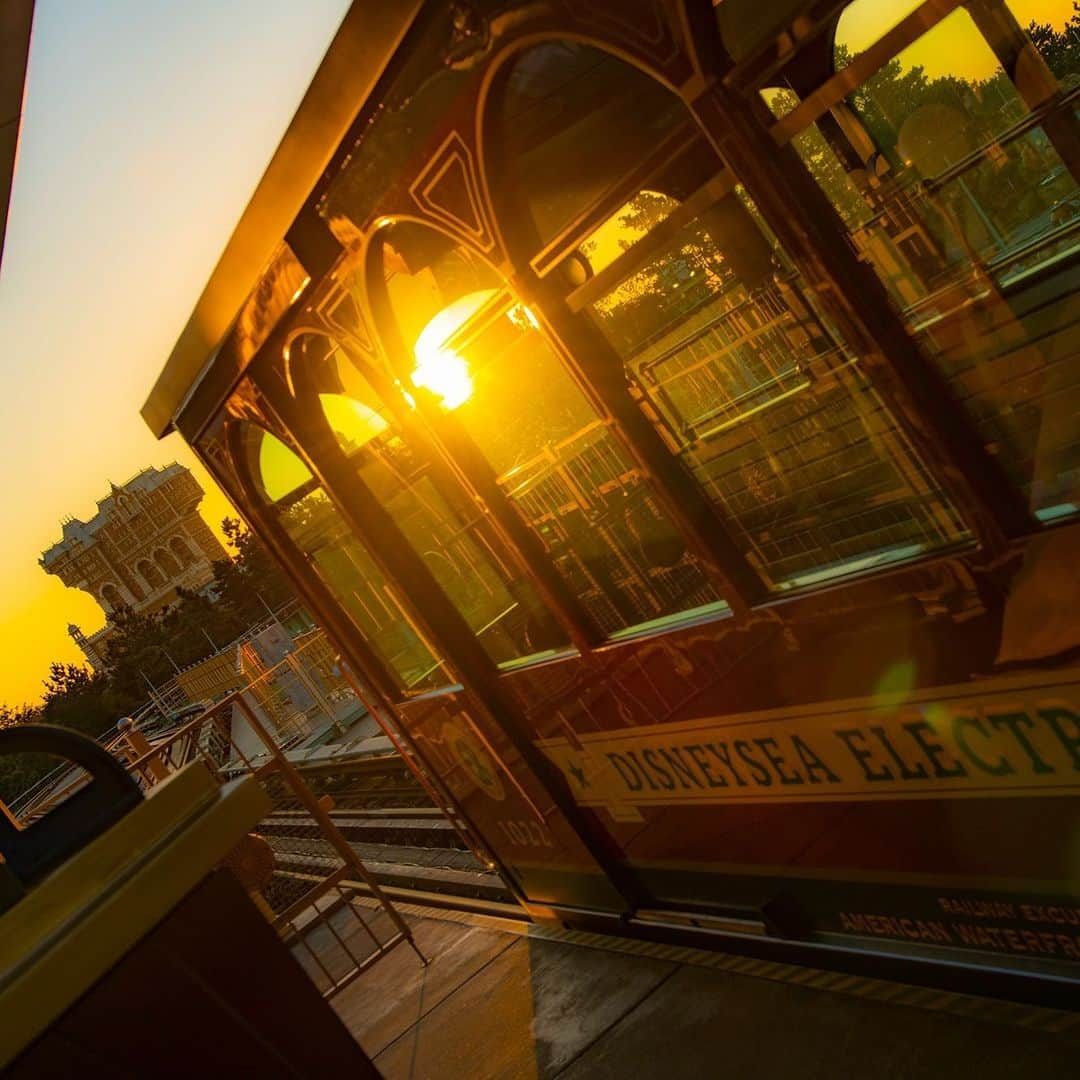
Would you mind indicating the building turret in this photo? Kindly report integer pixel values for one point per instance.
(88, 646)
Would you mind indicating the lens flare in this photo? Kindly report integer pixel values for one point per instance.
(444, 373)
(438, 367)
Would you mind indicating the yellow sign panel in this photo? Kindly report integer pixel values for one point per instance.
(1001, 737)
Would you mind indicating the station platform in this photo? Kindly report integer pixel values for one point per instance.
(502, 998)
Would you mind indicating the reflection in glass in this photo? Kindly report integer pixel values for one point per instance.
(341, 561)
(974, 228)
(551, 451)
(572, 123)
(632, 221)
(443, 526)
(719, 340)
(776, 422)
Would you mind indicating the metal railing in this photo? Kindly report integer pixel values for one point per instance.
(289, 727)
(164, 701)
(250, 732)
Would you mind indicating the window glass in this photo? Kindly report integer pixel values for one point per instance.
(444, 527)
(480, 355)
(280, 471)
(341, 561)
(572, 124)
(861, 24)
(398, 133)
(1054, 28)
(719, 339)
(823, 162)
(619, 232)
(976, 221)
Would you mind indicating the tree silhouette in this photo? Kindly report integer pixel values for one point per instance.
(250, 582)
(143, 650)
(1060, 48)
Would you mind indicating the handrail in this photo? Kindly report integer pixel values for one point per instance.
(1033, 120)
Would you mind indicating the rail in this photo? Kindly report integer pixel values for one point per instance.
(250, 732)
(164, 700)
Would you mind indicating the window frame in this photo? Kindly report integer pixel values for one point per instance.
(263, 513)
(825, 99)
(458, 447)
(307, 390)
(589, 352)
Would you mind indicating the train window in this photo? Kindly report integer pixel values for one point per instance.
(277, 470)
(444, 526)
(975, 225)
(623, 229)
(314, 525)
(427, 80)
(823, 162)
(1054, 29)
(562, 97)
(717, 334)
(479, 356)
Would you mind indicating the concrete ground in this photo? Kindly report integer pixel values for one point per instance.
(502, 1000)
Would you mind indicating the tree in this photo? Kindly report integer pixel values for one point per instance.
(20, 714)
(143, 651)
(924, 126)
(76, 697)
(822, 162)
(1060, 48)
(19, 772)
(65, 679)
(686, 272)
(251, 582)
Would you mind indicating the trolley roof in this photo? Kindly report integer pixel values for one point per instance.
(16, 18)
(357, 57)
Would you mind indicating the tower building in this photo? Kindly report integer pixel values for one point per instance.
(146, 541)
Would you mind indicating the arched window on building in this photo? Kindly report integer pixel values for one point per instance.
(111, 597)
(149, 573)
(166, 564)
(180, 550)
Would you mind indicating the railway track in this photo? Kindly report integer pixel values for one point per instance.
(408, 845)
(366, 782)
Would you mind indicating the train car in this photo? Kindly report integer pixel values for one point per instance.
(670, 410)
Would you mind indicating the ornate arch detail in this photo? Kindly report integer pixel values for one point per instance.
(336, 310)
(166, 563)
(640, 26)
(181, 551)
(449, 191)
(672, 67)
(112, 598)
(150, 573)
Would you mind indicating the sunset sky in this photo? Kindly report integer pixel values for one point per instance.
(146, 127)
(952, 47)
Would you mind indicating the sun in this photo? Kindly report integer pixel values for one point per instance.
(438, 367)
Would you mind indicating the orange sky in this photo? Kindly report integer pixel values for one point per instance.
(146, 128)
(953, 46)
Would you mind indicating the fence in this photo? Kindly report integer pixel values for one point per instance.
(206, 680)
(303, 698)
(305, 718)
